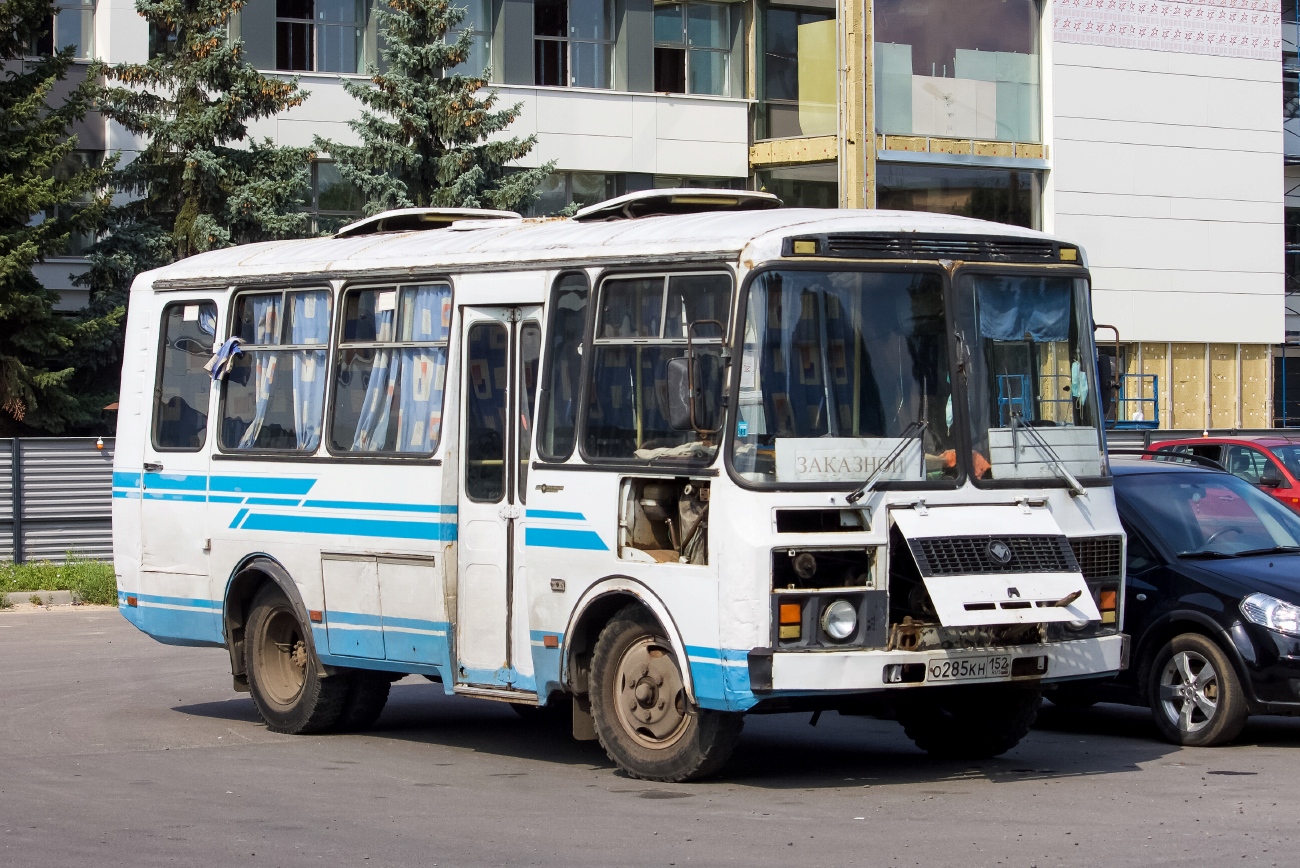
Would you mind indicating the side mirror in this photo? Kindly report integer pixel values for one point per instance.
(679, 394)
(1270, 479)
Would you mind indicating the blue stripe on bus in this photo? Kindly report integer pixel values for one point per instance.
(554, 538)
(555, 514)
(418, 530)
(188, 602)
(175, 482)
(390, 507)
(224, 498)
(170, 495)
(261, 484)
(239, 516)
(126, 480)
(271, 501)
(133, 494)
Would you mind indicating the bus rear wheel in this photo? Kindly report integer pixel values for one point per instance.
(283, 675)
(974, 722)
(643, 717)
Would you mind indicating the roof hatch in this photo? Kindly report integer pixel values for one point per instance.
(415, 219)
(657, 203)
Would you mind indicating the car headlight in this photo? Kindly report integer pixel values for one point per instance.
(840, 620)
(1272, 613)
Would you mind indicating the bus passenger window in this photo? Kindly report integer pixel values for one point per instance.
(559, 405)
(275, 392)
(180, 415)
(642, 322)
(485, 412)
(392, 369)
(530, 349)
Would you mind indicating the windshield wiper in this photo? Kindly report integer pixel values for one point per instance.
(919, 426)
(1055, 461)
(1208, 554)
(1270, 550)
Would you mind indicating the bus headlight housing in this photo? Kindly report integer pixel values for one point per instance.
(839, 620)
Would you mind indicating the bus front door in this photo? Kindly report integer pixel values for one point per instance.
(498, 378)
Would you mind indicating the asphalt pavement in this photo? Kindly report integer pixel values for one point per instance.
(117, 750)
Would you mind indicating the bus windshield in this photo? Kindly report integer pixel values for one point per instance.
(1027, 341)
(844, 373)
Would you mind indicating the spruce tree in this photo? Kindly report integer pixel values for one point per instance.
(426, 129)
(45, 196)
(199, 181)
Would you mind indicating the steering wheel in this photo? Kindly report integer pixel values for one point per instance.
(1221, 532)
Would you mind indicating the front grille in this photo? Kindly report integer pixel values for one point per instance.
(969, 555)
(1099, 557)
(972, 248)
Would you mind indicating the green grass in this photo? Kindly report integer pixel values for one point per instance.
(92, 581)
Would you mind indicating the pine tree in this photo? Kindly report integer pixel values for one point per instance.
(44, 198)
(425, 133)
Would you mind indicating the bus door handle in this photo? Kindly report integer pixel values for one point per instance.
(550, 489)
(152, 467)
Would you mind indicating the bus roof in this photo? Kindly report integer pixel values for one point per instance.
(552, 243)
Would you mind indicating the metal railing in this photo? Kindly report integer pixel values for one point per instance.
(56, 496)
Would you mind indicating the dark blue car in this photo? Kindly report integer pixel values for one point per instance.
(1212, 602)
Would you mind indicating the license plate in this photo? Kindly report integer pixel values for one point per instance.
(969, 668)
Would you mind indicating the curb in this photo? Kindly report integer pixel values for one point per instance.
(46, 598)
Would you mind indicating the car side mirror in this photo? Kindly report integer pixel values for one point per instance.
(679, 394)
(1270, 479)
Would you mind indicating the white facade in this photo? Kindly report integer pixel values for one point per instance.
(1166, 166)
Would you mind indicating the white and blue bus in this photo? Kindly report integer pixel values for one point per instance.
(684, 457)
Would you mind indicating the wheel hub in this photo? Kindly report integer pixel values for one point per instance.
(1189, 691)
(651, 698)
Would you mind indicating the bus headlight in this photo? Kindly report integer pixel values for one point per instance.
(839, 620)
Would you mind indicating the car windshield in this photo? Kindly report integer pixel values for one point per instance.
(1208, 514)
(843, 373)
(1033, 402)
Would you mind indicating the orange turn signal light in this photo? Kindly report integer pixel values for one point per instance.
(550, 641)
(132, 601)
(790, 613)
(316, 615)
(1109, 601)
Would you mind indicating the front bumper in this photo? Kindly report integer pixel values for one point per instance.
(860, 671)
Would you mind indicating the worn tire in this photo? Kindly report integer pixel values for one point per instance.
(680, 742)
(367, 696)
(975, 722)
(1221, 691)
(283, 673)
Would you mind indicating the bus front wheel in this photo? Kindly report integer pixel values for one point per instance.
(283, 676)
(643, 717)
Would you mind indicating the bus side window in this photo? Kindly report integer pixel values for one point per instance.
(180, 414)
(391, 370)
(485, 412)
(274, 396)
(530, 349)
(557, 411)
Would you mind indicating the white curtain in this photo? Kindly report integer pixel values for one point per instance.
(309, 324)
(266, 323)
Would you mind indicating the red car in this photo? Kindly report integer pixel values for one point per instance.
(1272, 463)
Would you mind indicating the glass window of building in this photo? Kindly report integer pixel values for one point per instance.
(965, 69)
(478, 21)
(815, 185)
(162, 41)
(573, 43)
(797, 77)
(333, 202)
(670, 182)
(71, 25)
(320, 35)
(1002, 195)
(564, 190)
(692, 48)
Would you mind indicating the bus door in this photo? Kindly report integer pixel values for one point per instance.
(174, 482)
(500, 348)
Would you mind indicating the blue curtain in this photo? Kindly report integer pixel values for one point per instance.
(376, 407)
(426, 316)
(1020, 309)
(309, 324)
(266, 324)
